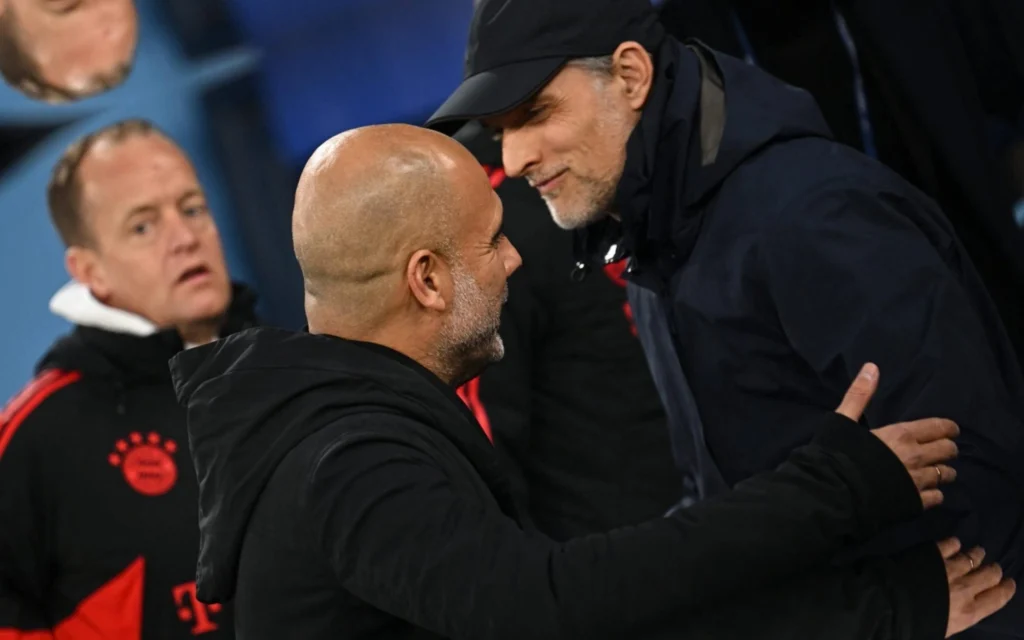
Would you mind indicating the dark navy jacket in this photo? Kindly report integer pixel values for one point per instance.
(770, 263)
(945, 70)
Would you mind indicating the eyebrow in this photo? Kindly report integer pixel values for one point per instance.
(191, 193)
(142, 208)
(146, 208)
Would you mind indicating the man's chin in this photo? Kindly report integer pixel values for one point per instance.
(476, 366)
(570, 221)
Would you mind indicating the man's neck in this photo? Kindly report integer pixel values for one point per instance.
(401, 338)
(199, 333)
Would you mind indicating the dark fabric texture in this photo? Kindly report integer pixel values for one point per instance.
(936, 78)
(346, 493)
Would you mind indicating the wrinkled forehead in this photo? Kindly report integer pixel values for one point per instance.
(141, 170)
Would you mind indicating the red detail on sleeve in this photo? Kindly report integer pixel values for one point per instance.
(470, 394)
(112, 612)
(33, 395)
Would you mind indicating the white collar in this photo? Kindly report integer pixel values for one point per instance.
(76, 304)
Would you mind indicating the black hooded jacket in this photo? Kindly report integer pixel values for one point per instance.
(345, 492)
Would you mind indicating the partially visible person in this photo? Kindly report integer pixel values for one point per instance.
(63, 50)
(912, 88)
(767, 261)
(346, 491)
(572, 403)
(97, 491)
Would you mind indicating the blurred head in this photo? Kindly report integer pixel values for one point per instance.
(398, 234)
(128, 205)
(61, 50)
(569, 139)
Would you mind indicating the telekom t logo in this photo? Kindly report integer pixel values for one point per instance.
(191, 610)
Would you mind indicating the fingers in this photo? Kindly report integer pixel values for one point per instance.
(931, 498)
(994, 599)
(975, 592)
(859, 394)
(932, 476)
(933, 453)
(985, 578)
(930, 429)
(963, 564)
(949, 548)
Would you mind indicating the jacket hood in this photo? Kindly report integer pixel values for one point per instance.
(253, 397)
(708, 113)
(111, 343)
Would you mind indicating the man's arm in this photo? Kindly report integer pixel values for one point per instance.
(22, 569)
(859, 282)
(870, 601)
(403, 539)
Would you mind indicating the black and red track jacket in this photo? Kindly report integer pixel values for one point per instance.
(572, 404)
(98, 495)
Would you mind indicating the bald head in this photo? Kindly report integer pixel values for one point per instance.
(367, 200)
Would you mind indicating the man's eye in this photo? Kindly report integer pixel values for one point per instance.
(535, 114)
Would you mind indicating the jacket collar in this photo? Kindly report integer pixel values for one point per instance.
(658, 159)
(75, 303)
(114, 343)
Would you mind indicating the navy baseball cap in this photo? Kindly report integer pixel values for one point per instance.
(517, 46)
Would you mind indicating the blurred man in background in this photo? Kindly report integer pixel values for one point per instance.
(97, 491)
(768, 260)
(572, 402)
(915, 86)
(61, 50)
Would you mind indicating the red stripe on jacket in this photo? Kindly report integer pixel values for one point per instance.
(33, 395)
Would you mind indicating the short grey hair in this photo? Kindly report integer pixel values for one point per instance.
(600, 65)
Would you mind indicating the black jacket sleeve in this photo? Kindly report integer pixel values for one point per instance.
(883, 599)
(402, 538)
(861, 283)
(23, 570)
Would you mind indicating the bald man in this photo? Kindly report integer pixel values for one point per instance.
(346, 492)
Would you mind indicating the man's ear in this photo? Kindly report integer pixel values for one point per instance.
(429, 280)
(84, 266)
(634, 67)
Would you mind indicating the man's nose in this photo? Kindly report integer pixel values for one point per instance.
(518, 153)
(184, 236)
(512, 260)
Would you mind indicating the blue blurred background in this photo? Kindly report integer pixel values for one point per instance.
(248, 88)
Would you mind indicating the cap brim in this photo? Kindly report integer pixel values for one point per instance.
(493, 92)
